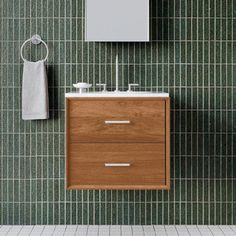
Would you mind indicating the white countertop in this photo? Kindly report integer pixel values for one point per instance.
(117, 94)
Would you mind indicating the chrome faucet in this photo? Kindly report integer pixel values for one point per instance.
(130, 87)
(104, 87)
(117, 81)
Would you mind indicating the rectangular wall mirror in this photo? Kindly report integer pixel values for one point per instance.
(117, 20)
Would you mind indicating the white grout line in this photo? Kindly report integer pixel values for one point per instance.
(53, 113)
(180, 122)
(1, 121)
(7, 164)
(203, 117)
(159, 17)
(221, 118)
(197, 115)
(209, 105)
(215, 143)
(192, 121)
(134, 64)
(186, 137)
(233, 220)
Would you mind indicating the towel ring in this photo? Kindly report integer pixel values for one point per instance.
(35, 39)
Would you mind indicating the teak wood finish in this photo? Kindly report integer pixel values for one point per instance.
(87, 121)
(143, 143)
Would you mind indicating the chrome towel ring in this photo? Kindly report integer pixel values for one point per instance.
(35, 39)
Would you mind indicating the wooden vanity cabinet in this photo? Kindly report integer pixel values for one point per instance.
(117, 143)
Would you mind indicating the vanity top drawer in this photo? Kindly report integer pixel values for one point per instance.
(123, 120)
(116, 166)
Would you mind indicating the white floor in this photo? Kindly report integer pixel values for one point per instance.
(115, 230)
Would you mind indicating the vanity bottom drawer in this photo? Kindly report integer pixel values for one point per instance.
(116, 166)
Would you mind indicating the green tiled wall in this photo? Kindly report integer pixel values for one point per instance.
(192, 55)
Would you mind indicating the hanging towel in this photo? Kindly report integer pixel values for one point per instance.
(34, 91)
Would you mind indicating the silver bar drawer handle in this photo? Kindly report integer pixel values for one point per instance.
(117, 164)
(117, 122)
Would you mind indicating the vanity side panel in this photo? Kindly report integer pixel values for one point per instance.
(67, 142)
(167, 144)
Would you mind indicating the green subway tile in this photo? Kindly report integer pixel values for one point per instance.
(108, 213)
(62, 213)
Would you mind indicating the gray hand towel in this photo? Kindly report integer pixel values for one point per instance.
(34, 91)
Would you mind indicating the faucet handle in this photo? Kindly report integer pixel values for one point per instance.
(130, 87)
(104, 87)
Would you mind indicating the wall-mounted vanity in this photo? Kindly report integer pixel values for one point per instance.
(117, 140)
(117, 20)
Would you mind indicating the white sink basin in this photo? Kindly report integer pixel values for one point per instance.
(118, 94)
